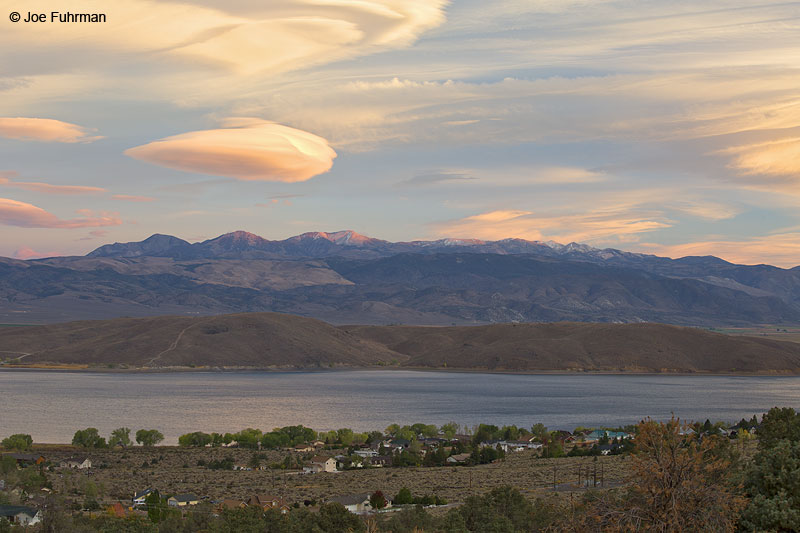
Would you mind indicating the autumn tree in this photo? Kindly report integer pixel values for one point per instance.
(678, 483)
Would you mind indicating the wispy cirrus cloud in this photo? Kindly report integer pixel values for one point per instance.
(47, 188)
(780, 249)
(44, 129)
(245, 149)
(24, 215)
(603, 225)
(132, 198)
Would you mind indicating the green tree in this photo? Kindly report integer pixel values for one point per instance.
(344, 436)
(121, 437)
(18, 441)
(157, 508)
(778, 424)
(449, 430)
(403, 497)
(772, 484)
(197, 439)
(539, 431)
(334, 518)
(88, 438)
(248, 438)
(149, 437)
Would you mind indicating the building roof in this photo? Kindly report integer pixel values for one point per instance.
(231, 504)
(188, 497)
(15, 510)
(142, 493)
(24, 456)
(77, 459)
(351, 499)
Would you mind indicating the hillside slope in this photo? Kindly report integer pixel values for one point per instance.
(270, 340)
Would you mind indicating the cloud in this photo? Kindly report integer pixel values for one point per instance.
(94, 235)
(132, 198)
(247, 150)
(782, 249)
(436, 177)
(47, 188)
(44, 129)
(773, 158)
(29, 253)
(23, 215)
(603, 225)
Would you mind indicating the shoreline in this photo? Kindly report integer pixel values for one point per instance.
(83, 368)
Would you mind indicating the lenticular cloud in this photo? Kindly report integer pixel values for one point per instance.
(245, 149)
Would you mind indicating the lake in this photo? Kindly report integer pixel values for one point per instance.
(51, 405)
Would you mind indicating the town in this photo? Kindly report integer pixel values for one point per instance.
(294, 468)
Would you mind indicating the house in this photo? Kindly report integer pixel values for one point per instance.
(501, 444)
(139, 497)
(366, 452)
(320, 463)
(230, 505)
(598, 434)
(355, 503)
(269, 502)
(302, 448)
(458, 459)
(242, 467)
(380, 461)
(182, 500)
(318, 444)
(25, 459)
(76, 462)
(520, 445)
(20, 515)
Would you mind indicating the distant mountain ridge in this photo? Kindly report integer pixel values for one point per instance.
(318, 244)
(344, 277)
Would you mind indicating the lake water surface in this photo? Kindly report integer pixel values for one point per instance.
(51, 405)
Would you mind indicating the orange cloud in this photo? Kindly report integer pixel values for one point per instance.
(132, 198)
(773, 158)
(246, 149)
(47, 188)
(43, 129)
(23, 215)
(782, 249)
(29, 253)
(602, 225)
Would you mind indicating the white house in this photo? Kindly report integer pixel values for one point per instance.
(366, 452)
(138, 498)
(20, 515)
(320, 463)
(355, 503)
(76, 462)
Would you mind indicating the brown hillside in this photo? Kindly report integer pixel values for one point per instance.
(584, 346)
(271, 340)
(253, 340)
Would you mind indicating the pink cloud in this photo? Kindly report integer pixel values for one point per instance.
(245, 149)
(23, 215)
(132, 198)
(47, 188)
(44, 129)
(29, 253)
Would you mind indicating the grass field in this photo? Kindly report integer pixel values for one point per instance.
(119, 473)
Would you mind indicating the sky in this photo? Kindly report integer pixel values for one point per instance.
(670, 128)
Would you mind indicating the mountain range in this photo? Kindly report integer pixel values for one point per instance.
(344, 277)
